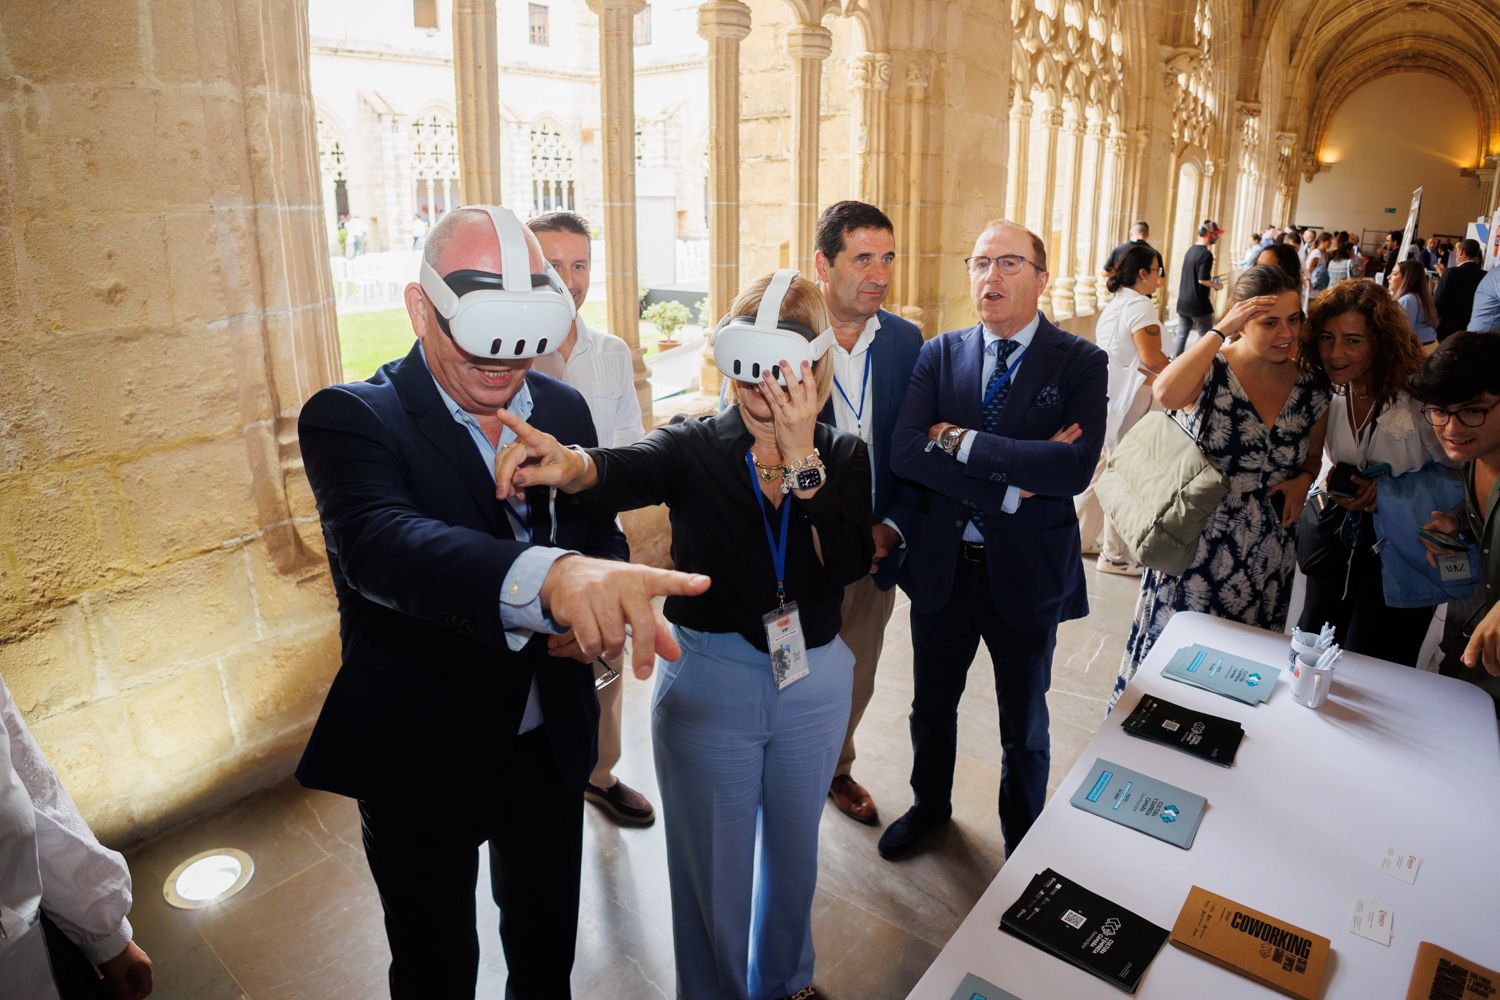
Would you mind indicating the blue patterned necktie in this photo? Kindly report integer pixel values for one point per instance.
(1004, 349)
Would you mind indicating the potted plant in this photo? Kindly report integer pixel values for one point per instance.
(668, 317)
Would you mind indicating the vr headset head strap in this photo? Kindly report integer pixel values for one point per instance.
(515, 254)
(768, 316)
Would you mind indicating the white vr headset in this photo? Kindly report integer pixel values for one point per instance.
(511, 316)
(744, 348)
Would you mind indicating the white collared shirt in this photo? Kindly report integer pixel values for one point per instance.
(854, 397)
(600, 369)
(50, 852)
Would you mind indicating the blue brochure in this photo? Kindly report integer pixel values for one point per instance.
(1217, 671)
(1131, 799)
(974, 988)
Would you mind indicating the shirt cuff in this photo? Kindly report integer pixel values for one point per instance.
(1012, 501)
(963, 449)
(897, 529)
(521, 612)
(101, 950)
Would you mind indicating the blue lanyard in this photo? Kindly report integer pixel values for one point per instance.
(778, 551)
(859, 414)
(1009, 371)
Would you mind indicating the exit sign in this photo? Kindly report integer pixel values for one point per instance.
(1390, 211)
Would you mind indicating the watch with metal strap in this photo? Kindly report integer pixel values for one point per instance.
(951, 438)
(804, 474)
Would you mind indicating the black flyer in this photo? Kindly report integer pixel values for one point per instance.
(1084, 929)
(1205, 736)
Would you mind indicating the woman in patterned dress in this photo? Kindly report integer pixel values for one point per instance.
(1261, 421)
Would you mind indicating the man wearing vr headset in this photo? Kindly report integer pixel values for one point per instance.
(599, 366)
(448, 720)
(1007, 408)
(873, 354)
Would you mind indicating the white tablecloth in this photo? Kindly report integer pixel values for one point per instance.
(1296, 828)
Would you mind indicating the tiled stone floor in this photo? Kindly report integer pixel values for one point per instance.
(309, 924)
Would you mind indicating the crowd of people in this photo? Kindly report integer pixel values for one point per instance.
(469, 495)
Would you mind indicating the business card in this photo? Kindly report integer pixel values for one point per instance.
(1370, 920)
(1401, 865)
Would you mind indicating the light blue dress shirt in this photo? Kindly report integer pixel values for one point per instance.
(521, 613)
(1485, 316)
(1023, 336)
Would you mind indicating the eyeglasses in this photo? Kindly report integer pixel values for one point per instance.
(1469, 416)
(1006, 263)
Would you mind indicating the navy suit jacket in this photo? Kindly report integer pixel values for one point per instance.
(895, 355)
(1033, 556)
(428, 691)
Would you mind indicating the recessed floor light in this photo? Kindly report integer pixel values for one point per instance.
(208, 878)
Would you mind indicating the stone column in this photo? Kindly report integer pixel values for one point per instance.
(1052, 121)
(1020, 156)
(1065, 253)
(476, 78)
(808, 45)
(723, 24)
(1090, 244)
(617, 127)
(1112, 222)
(870, 83)
(918, 77)
(1286, 176)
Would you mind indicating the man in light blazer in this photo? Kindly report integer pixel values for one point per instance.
(873, 358)
(1001, 426)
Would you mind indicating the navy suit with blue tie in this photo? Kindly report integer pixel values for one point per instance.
(980, 564)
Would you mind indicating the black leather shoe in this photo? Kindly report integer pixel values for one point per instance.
(906, 834)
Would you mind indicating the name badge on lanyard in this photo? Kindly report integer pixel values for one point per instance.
(783, 626)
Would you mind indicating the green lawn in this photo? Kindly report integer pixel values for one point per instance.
(368, 340)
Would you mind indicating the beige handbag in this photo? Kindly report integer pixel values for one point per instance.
(1158, 490)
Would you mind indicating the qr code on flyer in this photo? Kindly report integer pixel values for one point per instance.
(1074, 919)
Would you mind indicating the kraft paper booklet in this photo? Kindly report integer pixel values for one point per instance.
(974, 988)
(1222, 673)
(1441, 975)
(1083, 929)
(1132, 799)
(1204, 736)
(1280, 955)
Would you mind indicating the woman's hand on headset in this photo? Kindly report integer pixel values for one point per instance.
(794, 410)
(536, 458)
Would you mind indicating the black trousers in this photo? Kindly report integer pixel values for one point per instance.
(425, 861)
(943, 647)
(1360, 616)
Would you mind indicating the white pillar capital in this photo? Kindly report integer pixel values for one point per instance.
(724, 19)
(870, 71)
(602, 7)
(809, 41)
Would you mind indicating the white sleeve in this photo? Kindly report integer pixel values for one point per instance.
(85, 886)
(1142, 314)
(628, 424)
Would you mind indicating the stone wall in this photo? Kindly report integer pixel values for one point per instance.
(166, 622)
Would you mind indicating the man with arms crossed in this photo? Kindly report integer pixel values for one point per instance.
(598, 365)
(448, 720)
(873, 357)
(1009, 407)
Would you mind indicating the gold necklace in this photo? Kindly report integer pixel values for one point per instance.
(767, 473)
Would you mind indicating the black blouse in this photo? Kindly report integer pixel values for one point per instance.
(697, 468)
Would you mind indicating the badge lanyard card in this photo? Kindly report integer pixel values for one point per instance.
(864, 388)
(783, 626)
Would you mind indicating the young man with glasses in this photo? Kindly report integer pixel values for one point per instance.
(1460, 385)
(994, 413)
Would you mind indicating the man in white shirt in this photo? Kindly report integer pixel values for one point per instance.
(50, 863)
(598, 365)
(873, 356)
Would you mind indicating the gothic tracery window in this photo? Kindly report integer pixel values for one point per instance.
(434, 162)
(552, 176)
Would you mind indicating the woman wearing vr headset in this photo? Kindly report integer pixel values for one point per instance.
(748, 722)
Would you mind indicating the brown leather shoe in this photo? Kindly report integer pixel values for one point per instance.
(624, 804)
(852, 800)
